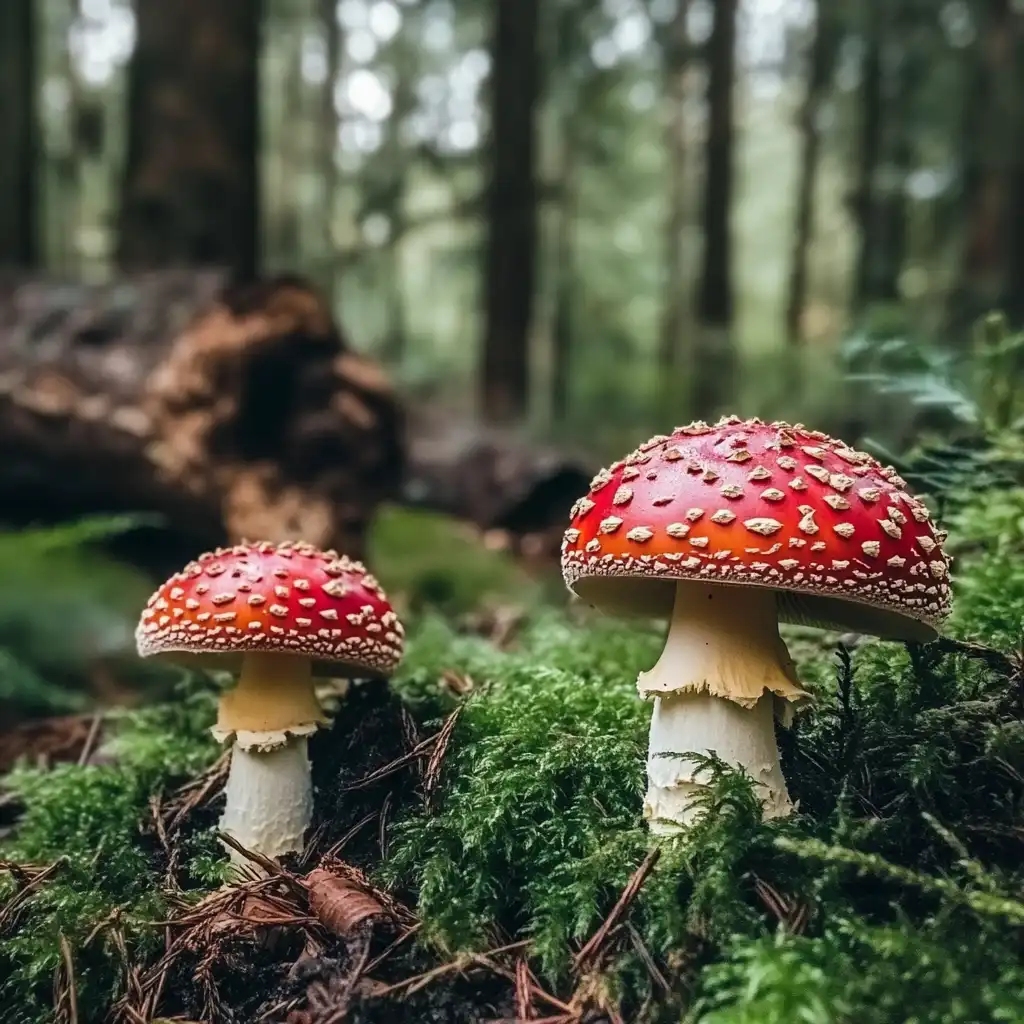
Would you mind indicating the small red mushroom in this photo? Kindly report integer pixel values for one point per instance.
(727, 529)
(279, 615)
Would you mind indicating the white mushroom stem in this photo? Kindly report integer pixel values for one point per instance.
(270, 714)
(721, 675)
(269, 799)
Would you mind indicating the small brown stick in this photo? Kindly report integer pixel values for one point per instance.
(629, 894)
(644, 953)
(418, 981)
(420, 750)
(513, 976)
(348, 836)
(69, 972)
(432, 775)
(524, 1000)
(21, 897)
(216, 775)
(90, 739)
(382, 829)
(268, 865)
(407, 934)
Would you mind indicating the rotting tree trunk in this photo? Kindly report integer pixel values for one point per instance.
(19, 241)
(819, 73)
(674, 305)
(234, 411)
(231, 411)
(714, 359)
(191, 187)
(511, 248)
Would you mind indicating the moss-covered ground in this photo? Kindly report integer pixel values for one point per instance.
(895, 894)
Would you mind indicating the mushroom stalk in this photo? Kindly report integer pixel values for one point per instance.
(721, 674)
(269, 791)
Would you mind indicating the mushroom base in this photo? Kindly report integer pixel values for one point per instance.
(724, 675)
(699, 723)
(269, 799)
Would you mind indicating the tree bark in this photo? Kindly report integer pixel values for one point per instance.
(231, 411)
(713, 372)
(191, 186)
(19, 171)
(990, 107)
(511, 248)
(674, 302)
(715, 297)
(819, 74)
(885, 145)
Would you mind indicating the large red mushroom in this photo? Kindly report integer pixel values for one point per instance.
(726, 530)
(279, 615)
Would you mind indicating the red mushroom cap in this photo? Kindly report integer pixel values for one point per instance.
(286, 598)
(761, 504)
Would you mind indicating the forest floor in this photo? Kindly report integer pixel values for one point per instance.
(477, 851)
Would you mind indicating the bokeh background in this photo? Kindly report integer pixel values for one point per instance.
(454, 255)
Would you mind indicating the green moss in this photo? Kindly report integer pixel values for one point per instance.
(908, 754)
(902, 865)
(946, 971)
(91, 819)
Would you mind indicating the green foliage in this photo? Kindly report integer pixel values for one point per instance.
(946, 971)
(430, 562)
(908, 769)
(62, 606)
(90, 819)
(964, 405)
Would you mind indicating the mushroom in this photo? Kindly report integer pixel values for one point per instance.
(726, 530)
(279, 615)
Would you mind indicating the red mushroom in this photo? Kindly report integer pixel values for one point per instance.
(727, 529)
(279, 615)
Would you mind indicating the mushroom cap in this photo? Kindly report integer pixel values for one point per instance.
(831, 530)
(284, 598)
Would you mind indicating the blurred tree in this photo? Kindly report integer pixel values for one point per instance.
(190, 190)
(19, 133)
(985, 153)
(573, 70)
(886, 149)
(714, 364)
(675, 50)
(819, 74)
(511, 247)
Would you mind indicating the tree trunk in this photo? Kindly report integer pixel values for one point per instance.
(819, 73)
(713, 372)
(715, 298)
(990, 106)
(570, 97)
(19, 171)
(674, 302)
(230, 411)
(511, 249)
(329, 141)
(884, 143)
(563, 321)
(191, 186)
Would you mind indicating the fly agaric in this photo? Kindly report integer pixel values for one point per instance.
(726, 530)
(279, 615)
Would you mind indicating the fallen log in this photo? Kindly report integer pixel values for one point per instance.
(228, 410)
(494, 478)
